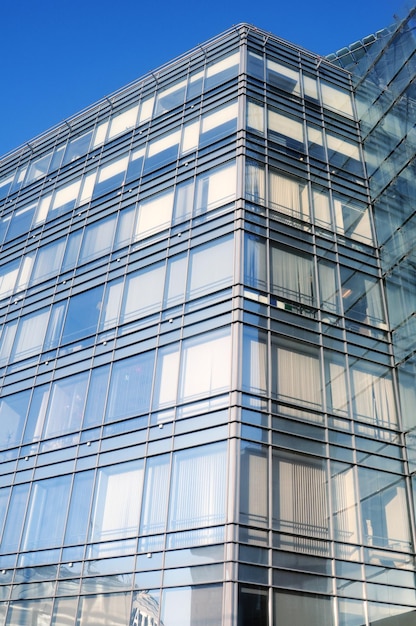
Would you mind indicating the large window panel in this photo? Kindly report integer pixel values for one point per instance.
(285, 130)
(162, 151)
(122, 122)
(170, 97)
(117, 501)
(176, 280)
(255, 116)
(297, 375)
(30, 334)
(65, 198)
(8, 332)
(255, 183)
(206, 364)
(37, 412)
(296, 608)
(328, 287)
(336, 98)
(255, 262)
(15, 517)
(155, 495)
(300, 498)
(344, 503)
(77, 147)
(130, 387)
(192, 606)
(79, 510)
(288, 195)
(83, 314)
(222, 70)
(20, 222)
(8, 277)
(143, 293)
(98, 239)
(110, 176)
(353, 219)
(216, 187)
(154, 214)
(219, 123)
(44, 529)
(384, 509)
(167, 375)
(13, 411)
(111, 304)
(254, 481)
(344, 154)
(211, 266)
(283, 77)
(361, 297)
(97, 393)
(292, 276)
(336, 383)
(112, 609)
(254, 363)
(198, 487)
(373, 394)
(48, 261)
(66, 405)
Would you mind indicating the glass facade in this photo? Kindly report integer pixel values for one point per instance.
(206, 418)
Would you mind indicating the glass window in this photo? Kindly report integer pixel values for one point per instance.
(316, 143)
(255, 182)
(66, 405)
(79, 509)
(328, 287)
(56, 320)
(5, 184)
(254, 363)
(336, 383)
(8, 332)
(98, 239)
(294, 363)
(178, 606)
(282, 77)
(255, 116)
(184, 197)
(170, 97)
(48, 261)
(288, 195)
(285, 127)
(344, 154)
(155, 495)
(130, 387)
(143, 292)
(13, 411)
(210, 267)
(8, 277)
(353, 219)
(321, 207)
(20, 222)
(221, 71)
(384, 509)
(292, 276)
(23, 612)
(216, 187)
(255, 263)
(162, 151)
(134, 169)
(254, 481)
(77, 147)
(122, 122)
(167, 374)
(110, 176)
(72, 250)
(344, 503)
(190, 137)
(97, 392)
(116, 507)
(83, 314)
(15, 516)
(296, 608)
(154, 214)
(198, 487)
(146, 109)
(206, 364)
(111, 609)
(111, 304)
(253, 606)
(65, 198)
(361, 297)
(30, 334)
(176, 280)
(300, 499)
(125, 227)
(38, 168)
(218, 123)
(372, 393)
(43, 530)
(37, 412)
(336, 98)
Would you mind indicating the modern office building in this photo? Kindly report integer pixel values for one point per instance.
(207, 349)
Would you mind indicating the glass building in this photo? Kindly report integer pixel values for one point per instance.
(207, 348)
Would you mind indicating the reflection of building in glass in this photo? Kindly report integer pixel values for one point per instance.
(206, 350)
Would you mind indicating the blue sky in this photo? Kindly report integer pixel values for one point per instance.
(59, 56)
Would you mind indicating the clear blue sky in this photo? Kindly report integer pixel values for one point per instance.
(59, 56)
